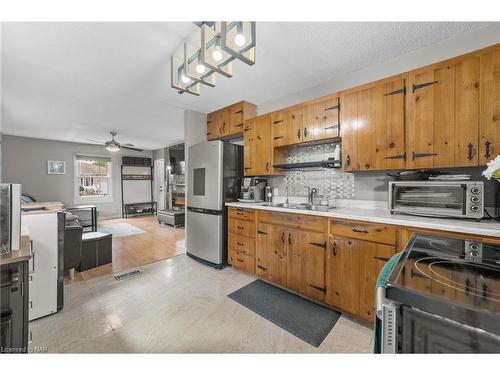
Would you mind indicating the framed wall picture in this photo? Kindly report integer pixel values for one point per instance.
(56, 167)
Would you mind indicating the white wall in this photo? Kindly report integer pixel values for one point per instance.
(437, 52)
(24, 161)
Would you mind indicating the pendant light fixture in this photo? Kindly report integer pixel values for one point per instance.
(220, 44)
(238, 40)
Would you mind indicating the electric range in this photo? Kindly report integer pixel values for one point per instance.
(443, 295)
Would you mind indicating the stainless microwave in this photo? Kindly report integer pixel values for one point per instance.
(10, 217)
(459, 199)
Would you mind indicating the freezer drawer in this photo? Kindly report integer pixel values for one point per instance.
(205, 239)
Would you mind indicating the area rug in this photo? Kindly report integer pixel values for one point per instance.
(119, 229)
(302, 318)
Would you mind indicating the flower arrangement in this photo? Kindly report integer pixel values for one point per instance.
(493, 170)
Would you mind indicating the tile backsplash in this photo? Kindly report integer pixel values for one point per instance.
(331, 183)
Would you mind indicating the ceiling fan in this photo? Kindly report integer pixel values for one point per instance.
(114, 146)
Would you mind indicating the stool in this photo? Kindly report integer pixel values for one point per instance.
(174, 218)
(96, 250)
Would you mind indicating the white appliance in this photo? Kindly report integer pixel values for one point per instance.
(44, 283)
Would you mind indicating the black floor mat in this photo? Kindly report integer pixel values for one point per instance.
(302, 318)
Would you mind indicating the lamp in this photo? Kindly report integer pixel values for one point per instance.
(179, 78)
(238, 40)
(194, 68)
(212, 54)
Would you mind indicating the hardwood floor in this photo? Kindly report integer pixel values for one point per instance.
(159, 242)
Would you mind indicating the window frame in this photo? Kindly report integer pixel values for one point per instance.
(88, 199)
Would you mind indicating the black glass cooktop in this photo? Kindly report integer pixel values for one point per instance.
(452, 271)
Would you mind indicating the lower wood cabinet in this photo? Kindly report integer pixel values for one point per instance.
(241, 239)
(271, 253)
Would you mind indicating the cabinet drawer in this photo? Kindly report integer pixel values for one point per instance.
(242, 227)
(241, 244)
(241, 261)
(241, 213)
(315, 223)
(380, 233)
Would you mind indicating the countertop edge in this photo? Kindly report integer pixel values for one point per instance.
(376, 215)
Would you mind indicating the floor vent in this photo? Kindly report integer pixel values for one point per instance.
(127, 275)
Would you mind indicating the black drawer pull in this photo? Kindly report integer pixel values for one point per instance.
(240, 227)
(356, 230)
(261, 232)
(240, 260)
(239, 125)
(470, 152)
(240, 244)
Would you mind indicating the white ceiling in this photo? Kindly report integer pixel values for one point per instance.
(73, 81)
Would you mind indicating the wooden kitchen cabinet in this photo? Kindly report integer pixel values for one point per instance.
(281, 125)
(257, 147)
(373, 128)
(228, 122)
(320, 119)
(489, 110)
(306, 263)
(241, 239)
(443, 114)
(271, 253)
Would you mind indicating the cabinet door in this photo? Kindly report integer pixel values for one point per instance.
(278, 254)
(365, 135)
(296, 125)
(235, 118)
(331, 124)
(248, 146)
(489, 121)
(443, 114)
(280, 123)
(349, 131)
(342, 274)
(212, 127)
(262, 147)
(263, 251)
(308, 119)
(306, 263)
(389, 124)
(372, 258)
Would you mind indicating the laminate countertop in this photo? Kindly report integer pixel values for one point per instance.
(24, 253)
(374, 212)
(37, 208)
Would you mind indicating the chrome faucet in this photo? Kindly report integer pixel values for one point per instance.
(311, 192)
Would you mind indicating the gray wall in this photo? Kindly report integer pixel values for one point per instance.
(24, 161)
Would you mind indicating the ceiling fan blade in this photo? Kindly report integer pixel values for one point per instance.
(127, 144)
(131, 148)
(93, 140)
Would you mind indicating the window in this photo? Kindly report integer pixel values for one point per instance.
(93, 178)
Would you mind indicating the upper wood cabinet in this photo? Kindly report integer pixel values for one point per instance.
(321, 119)
(489, 109)
(228, 122)
(257, 146)
(443, 114)
(372, 125)
(281, 128)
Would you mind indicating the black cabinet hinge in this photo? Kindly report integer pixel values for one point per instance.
(398, 91)
(383, 259)
(415, 155)
(279, 137)
(240, 111)
(319, 244)
(278, 121)
(333, 107)
(415, 87)
(262, 268)
(321, 289)
(395, 157)
(332, 127)
(239, 125)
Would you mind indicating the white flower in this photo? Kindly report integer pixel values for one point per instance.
(493, 170)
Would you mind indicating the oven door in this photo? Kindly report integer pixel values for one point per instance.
(429, 198)
(422, 332)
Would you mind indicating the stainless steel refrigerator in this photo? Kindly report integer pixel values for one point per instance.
(215, 170)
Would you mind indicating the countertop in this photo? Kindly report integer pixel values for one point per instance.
(374, 212)
(37, 208)
(24, 253)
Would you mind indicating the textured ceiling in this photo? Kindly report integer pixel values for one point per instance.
(72, 81)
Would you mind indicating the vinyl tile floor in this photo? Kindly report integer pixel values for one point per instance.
(175, 306)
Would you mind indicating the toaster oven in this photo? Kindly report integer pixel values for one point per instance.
(459, 199)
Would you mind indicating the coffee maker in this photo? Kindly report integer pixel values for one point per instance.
(253, 188)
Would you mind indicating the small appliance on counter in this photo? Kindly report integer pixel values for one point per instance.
(269, 194)
(10, 217)
(252, 189)
(442, 296)
(458, 199)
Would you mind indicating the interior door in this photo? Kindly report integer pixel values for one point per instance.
(205, 175)
(159, 183)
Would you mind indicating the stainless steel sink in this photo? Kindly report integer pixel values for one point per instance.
(301, 206)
